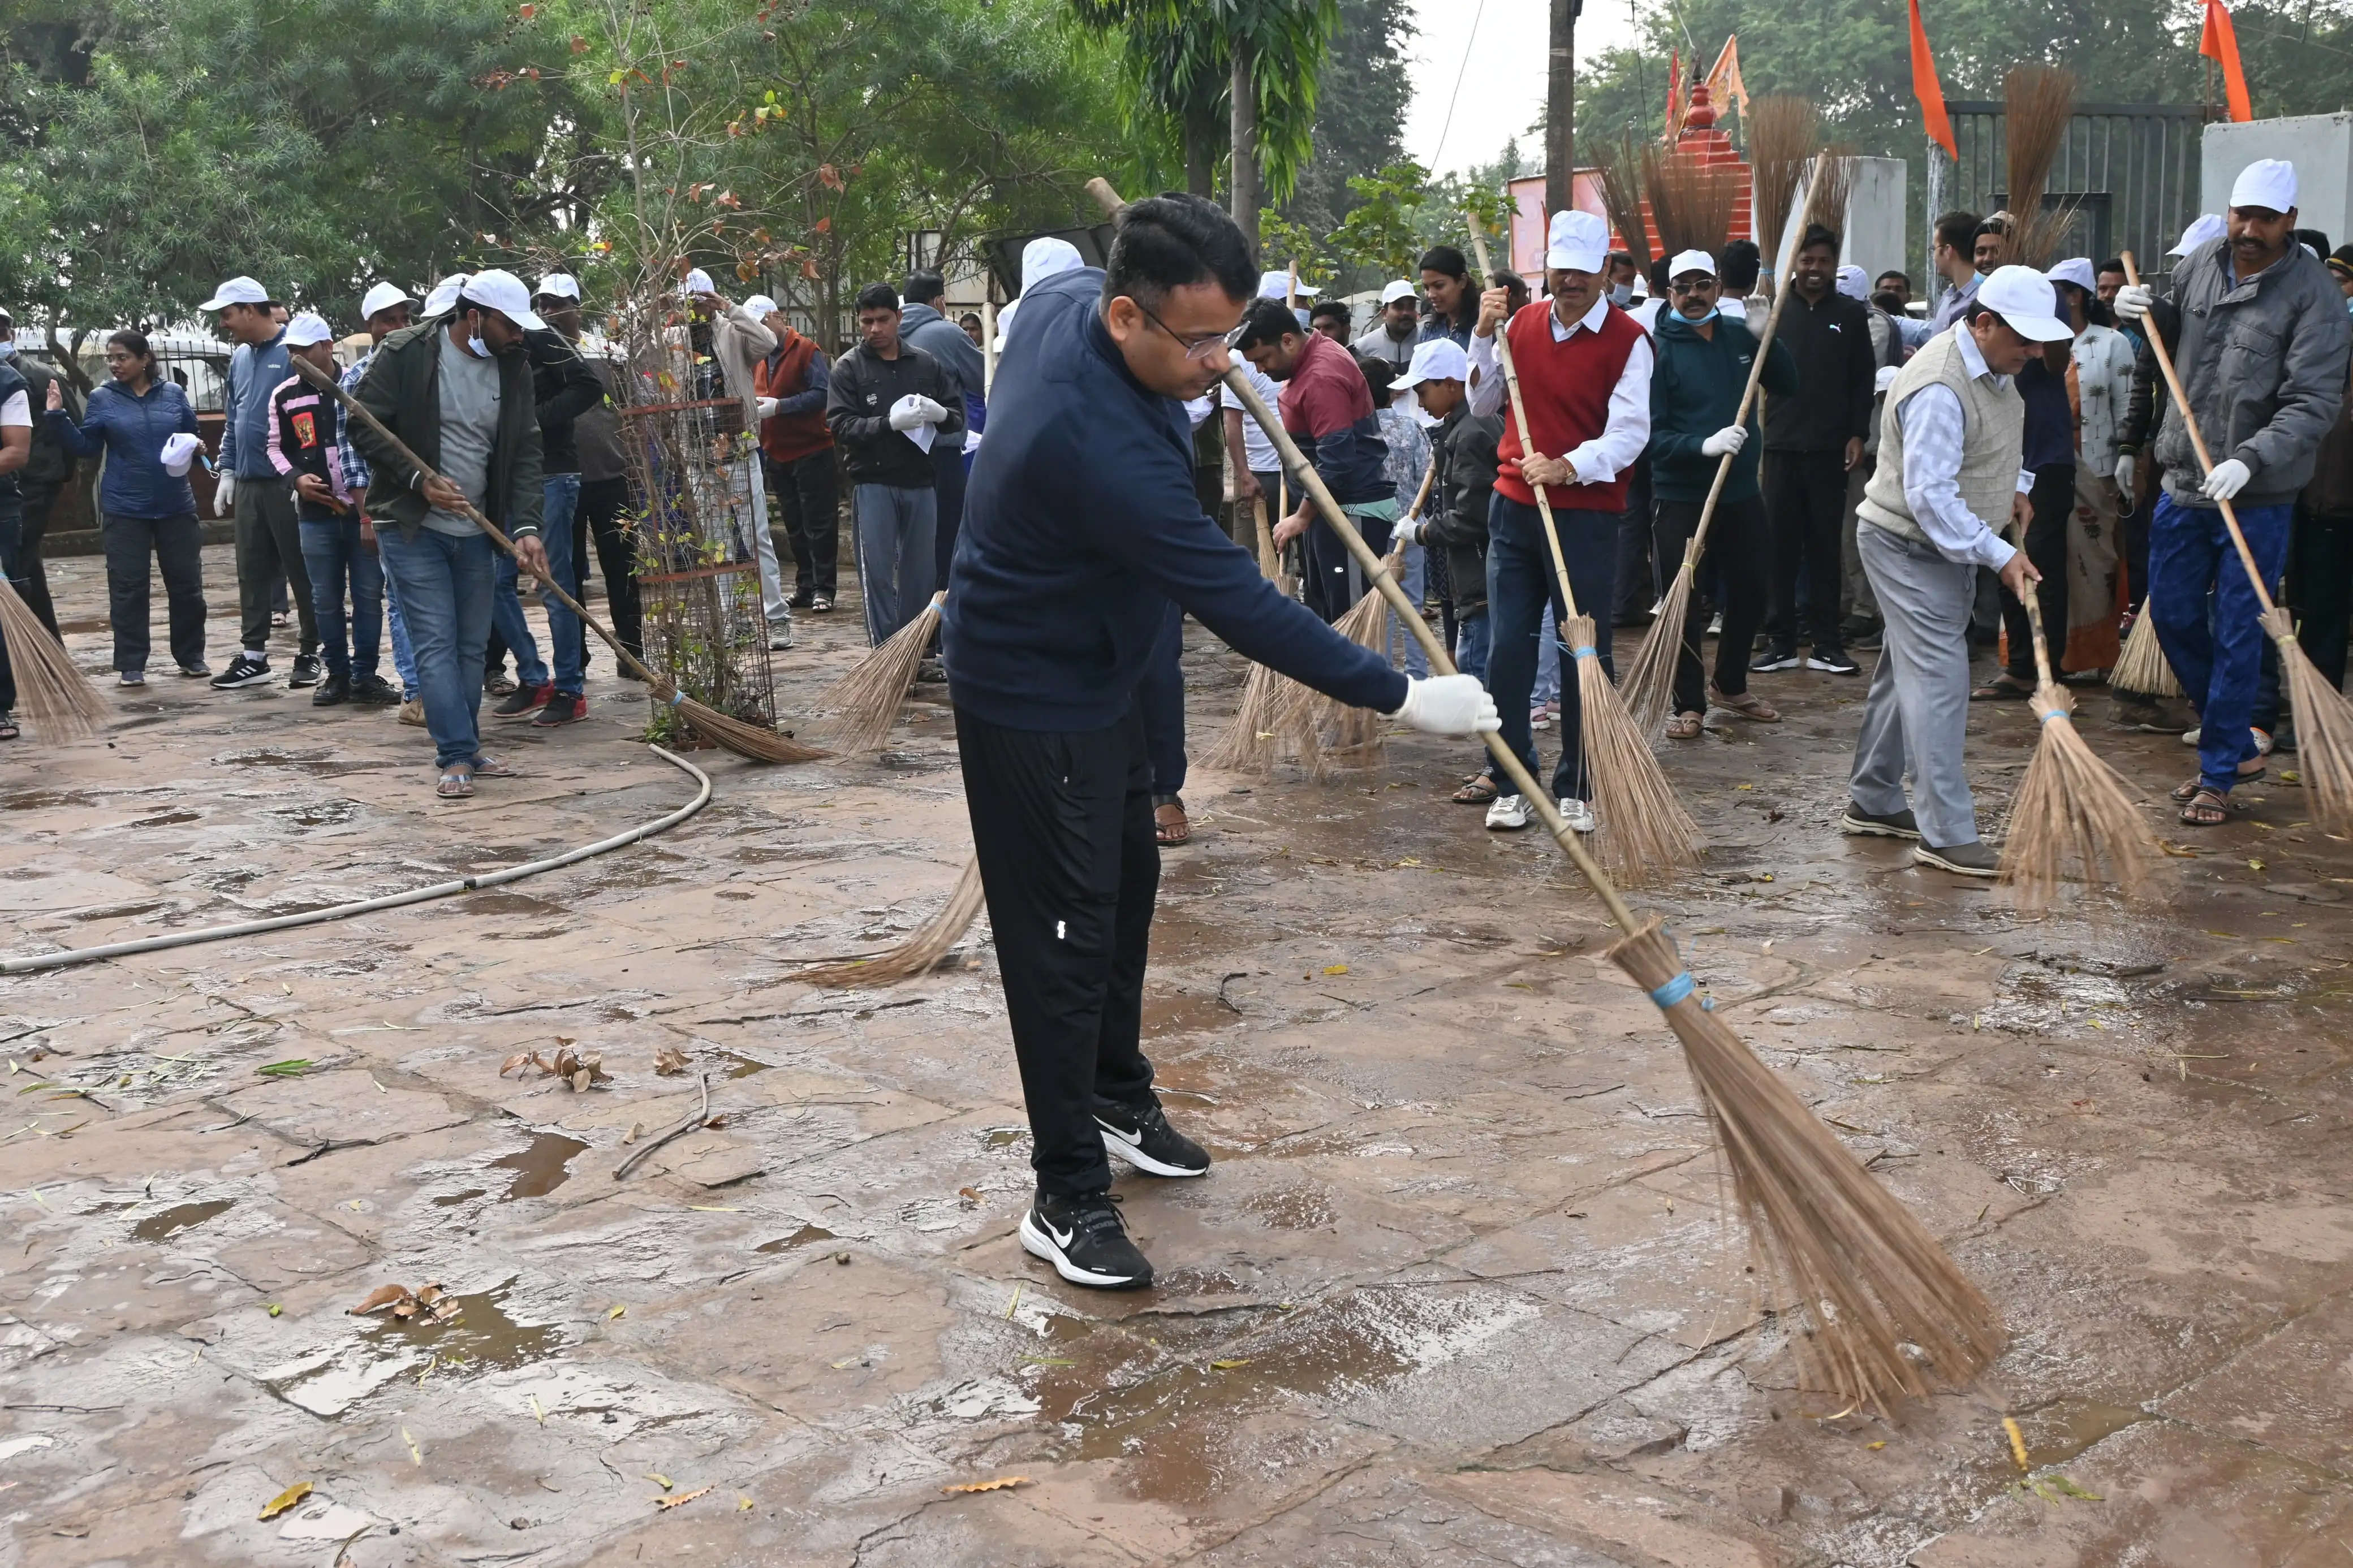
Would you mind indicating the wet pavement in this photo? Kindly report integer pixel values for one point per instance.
(1460, 1289)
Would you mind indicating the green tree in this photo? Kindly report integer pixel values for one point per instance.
(1360, 106)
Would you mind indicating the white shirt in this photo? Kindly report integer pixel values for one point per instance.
(2104, 374)
(1258, 452)
(17, 411)
(1934, 433)
(1626, 431)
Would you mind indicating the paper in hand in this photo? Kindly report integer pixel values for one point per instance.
(918, 433)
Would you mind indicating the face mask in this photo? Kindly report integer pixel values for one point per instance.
(1712, 312)
(7, 350)
(1622, 294)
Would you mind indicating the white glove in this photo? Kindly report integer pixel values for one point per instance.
(1448, 705)
(1884, 377)
(907, 412)
(2125, 465)
(1407, 532)
(767, 406)
(225, 494)
(1724, 442)
(2131, 301)
(971, 442)
(2229, 478)
(933, 414)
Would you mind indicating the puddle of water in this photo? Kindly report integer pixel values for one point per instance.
(2058, 1433)
(510, 904)
(801, 1238)
(1293, 1208)
(452, 1200)
(169, 818)
(44, 799)
(317, 813)
(172, 1221)
(1003, 1137)
(745, 1066)
(539, 1169)
(482, 1338)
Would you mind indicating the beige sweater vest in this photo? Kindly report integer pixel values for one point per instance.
(1993, 439)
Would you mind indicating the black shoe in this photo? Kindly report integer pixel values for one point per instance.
(333, 692)
(243, 670)
(308, 671)
(524, 699)
(931, 671)
(564, 708)
(821, 605)
(802, 600)
(1861, 823)
(1971, 860)
(1833, 658)
(375, 692)
(1085, 1240)
(1776, 657)
(1870, 640)
(1140, 1134)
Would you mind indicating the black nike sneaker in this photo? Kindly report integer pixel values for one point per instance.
(1085, 1239)
(1140, 1134)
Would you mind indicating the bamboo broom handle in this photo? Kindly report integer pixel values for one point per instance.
(1527, 443)
(327, 383)
(1378, 574)
(1421, 496)
(2197, 445)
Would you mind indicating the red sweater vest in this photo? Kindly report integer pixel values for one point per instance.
(1566, 386)
(788, 438)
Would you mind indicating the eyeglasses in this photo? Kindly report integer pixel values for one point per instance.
(1195, 348)
(1702, 287)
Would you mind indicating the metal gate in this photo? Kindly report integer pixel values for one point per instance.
(2129, 171)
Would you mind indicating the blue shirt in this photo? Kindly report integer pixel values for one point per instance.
(131, 429)
(1081, 525)
(254, 372)
(356, 473)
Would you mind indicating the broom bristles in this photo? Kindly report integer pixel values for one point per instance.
(2038, 101)
(2142, 668)
(54, 696)
(1650, 682)
(1645, 836)
(756, 742)
(1869, 1275)
(863, 704)
(1354, 731)
(2324, 728)
(1621, 197)
(920, 953)
(1782, 137)
(1829, 191)
(1692, 202)
(2072, 810)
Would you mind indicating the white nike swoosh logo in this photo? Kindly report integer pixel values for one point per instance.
(1060, 1238)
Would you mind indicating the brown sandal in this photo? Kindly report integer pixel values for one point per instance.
(1170, 827)
(2183, 794)
(2002, 688)
(1477, 790)
(1745, 704)
(1683, 726)
(2206, 808)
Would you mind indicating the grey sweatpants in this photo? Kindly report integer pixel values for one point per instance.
(1916, 717)
(269, 546)
(896, 525)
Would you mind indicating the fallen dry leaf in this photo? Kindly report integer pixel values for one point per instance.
(969, 1194)
(681, 1500)
(285, 1500)
(659, 1479)
(670, 1061)
(636, 1130)
(382, 1296)
(2016, 1443)
(998, 1485)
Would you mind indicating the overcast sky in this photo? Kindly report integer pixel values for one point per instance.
(1502, 90)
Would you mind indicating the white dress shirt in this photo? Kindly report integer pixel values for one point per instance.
(1934, 431)
(1627, 429)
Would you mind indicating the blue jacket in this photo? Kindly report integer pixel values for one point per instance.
(253, 374)
(1082, 523)
(130, 430)
(1695, 387)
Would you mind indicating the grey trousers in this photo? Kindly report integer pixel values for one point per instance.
(269, 547)
(1855, 596)
(1915, 719)
(895, 528)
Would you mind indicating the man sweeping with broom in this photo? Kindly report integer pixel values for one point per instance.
(1081, 525)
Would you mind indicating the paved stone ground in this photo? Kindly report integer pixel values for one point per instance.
(1460, 1291)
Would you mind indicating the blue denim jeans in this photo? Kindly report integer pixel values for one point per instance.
(1520, 583)
(559, 501)
(332, 553)
(1471, 645)
(2189, 556)
(444, 596)
(403, 659)
(506, 614)
(1414, 578)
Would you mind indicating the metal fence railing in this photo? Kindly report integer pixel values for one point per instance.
(2128, 173)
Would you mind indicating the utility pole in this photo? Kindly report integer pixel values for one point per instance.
(1560, 108)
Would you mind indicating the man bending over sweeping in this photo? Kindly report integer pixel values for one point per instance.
(1080, 526)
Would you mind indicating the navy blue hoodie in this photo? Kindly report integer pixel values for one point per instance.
(1081, 525)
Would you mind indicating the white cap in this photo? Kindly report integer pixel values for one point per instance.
(445, 295)
(1577, 241)
(180, 451)
(1435, 359)
(2024, 298)
(698, 282)
(1691, 261)
(1278, 286)
(1045, 257)
(2075, 269)
(761, 306)
(1850, 281)
(2203, 228)
(504, 293)
(308, 328)
(237, 290)
(2265, 182)
(557, 285)
(1396, 288)
(384, 297)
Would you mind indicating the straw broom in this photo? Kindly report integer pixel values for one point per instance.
(1875, 1282)
(2037, 103)
(1692, 202)
(1645, 833)
(1783, 135)
(863, 704)
(2324, 719)
(757, 742)
(1272, 714)
(1358, 730)
(2072, 806)
(57, 698)
(1650, 677)
(2142, 669)
(1621, 198)
(919, 954)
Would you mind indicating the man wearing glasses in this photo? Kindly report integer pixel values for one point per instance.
(1081, 525)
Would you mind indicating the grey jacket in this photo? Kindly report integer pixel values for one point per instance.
(945, 341)
(2264, 364)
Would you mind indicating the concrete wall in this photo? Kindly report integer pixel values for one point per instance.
(1877, 237)
(2319, 145)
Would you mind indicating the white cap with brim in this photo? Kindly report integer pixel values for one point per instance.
(2075, 269)
(1047, 257)
(1437, 359)
(698, 282)
(504, 293)
(444, 298)
(179, 451)
(308, 328)
(1577, 242)
(1850, 282)
(384, 297)
(760, 306)
(1690, 262)
(1395, 289)
(2025, 298)
(2202, 228)
(2267, 182)
(237, 290)
(557, 285)
(1278, 286)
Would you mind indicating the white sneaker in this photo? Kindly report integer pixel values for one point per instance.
(1578, 815)
(1509, 814)
(2189, 737)
(780, 635)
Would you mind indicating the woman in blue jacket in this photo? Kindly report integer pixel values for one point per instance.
(146, 508)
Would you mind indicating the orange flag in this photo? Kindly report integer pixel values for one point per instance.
(2218, 42)
(1724, 83)
(1675, 95)
(1924, 89)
